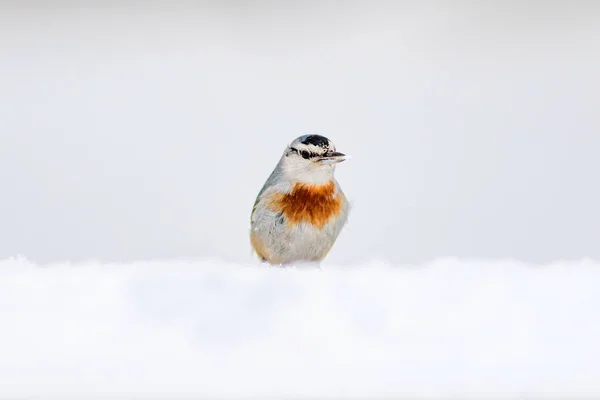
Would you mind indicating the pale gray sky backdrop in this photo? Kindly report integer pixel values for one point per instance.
(137, 130)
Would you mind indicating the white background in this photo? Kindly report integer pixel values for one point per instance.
(144, 130)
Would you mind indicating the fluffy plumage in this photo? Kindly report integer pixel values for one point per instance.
(301, 209)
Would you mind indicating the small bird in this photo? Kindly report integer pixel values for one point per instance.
(301, 209)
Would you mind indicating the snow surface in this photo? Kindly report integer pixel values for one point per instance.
(204, 327)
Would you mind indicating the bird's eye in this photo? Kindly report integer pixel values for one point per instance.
(305, 154)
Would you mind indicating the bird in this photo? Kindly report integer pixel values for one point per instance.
(301, 209)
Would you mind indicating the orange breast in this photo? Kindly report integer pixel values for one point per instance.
(314, 204)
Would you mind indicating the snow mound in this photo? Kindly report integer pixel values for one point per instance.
(206, 328)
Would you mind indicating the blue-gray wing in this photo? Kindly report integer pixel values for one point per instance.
(256, 203)
(262, 190)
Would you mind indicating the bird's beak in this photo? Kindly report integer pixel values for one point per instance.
(333, 157)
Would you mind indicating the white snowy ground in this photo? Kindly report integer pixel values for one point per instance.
(165, 328)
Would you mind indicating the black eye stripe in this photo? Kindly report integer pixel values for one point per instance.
(304, 153)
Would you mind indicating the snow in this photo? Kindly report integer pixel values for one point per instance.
(203, 327)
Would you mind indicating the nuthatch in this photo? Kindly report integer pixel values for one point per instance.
(301, 209)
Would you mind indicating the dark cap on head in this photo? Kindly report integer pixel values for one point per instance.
(315, 140)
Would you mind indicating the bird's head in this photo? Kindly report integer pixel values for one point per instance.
(311, 159)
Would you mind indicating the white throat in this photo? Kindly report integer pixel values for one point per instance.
(316, 176)
(308, 173)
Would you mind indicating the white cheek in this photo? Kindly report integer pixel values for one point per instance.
(302, 170)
